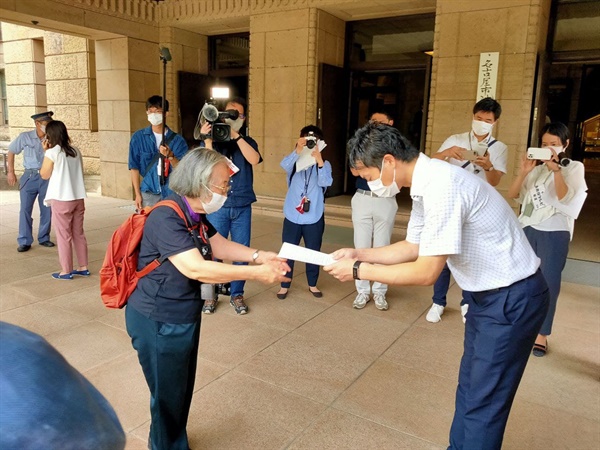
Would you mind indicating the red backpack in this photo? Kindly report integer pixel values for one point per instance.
(119, 275)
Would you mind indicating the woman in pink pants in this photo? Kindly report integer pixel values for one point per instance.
(64, 167)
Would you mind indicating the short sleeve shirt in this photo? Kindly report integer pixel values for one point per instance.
(165, 294)
(457, 214)
(242, 191)
(30, 144)
(497, 150)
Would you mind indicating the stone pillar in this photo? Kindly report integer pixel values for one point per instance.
(463, 30)
(285, 51)
(71, 88)
(127, 74)
(25, 76)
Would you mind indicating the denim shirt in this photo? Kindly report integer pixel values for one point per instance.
(242, 192)
(311, 180)
(30, 144)
(142, 149)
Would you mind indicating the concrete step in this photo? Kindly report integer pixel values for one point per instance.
(336, 212)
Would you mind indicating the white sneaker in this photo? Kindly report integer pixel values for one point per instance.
(435, 313)
(361, 301)
(380, 302)
(463, 310)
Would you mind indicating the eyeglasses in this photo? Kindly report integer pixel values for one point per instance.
(224, 190)
(242, 116)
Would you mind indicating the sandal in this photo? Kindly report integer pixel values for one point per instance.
(540, 350)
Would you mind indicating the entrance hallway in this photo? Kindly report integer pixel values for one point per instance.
(306, 373)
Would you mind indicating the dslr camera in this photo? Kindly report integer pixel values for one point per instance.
(311, 140)
(220, 131)
(210, 291)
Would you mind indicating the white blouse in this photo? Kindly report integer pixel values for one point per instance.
(66, 181)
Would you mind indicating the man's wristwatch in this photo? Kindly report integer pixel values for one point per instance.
(490, 169)
(255, 256)
(355, 269)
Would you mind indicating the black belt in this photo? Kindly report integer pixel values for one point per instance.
(369, 193)
(32, 170)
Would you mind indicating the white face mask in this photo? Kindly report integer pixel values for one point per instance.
(155, 118)
(380, 190)
(481, 128)
(43, 128)
(216, 203)
(235, 124)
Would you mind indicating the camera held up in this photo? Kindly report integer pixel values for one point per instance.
(220, 131)
(311, 140)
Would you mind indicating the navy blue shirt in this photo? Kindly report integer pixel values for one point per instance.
(242, 191)
(361, 183)
(165, 294)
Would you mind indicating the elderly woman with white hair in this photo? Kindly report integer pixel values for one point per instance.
(164, 312)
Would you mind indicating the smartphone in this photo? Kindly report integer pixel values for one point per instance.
(469, 155)
(543, 154)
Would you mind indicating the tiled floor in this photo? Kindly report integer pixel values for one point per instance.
(307, 373)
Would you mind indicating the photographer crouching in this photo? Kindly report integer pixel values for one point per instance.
(163, 314)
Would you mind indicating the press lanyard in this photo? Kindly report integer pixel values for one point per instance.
(306, 181)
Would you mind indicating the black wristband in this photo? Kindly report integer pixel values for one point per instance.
(237, 138)
(355, 269)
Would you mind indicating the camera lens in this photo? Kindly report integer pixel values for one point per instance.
(220, 132)
(310, 143)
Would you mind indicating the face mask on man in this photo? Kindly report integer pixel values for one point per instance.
(216, 203)
(43, 128)
(235, 124)
(380, 190)
(155, 118)
(481, 128)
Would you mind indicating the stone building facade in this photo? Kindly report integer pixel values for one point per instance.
(101, 63)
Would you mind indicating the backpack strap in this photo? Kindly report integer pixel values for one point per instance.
(158, 261)
(157, 155)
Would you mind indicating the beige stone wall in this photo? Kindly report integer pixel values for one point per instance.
(464, 29)
(285, 51)
(71, 90)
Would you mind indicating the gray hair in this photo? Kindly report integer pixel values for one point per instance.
(193, 173)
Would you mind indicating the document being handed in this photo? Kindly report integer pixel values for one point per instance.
(297, 253)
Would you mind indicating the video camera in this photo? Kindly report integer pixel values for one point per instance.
(220, 131)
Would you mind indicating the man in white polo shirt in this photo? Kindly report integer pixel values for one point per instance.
(489, 165)
(460, 220)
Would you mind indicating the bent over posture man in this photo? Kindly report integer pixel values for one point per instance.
(459, 219)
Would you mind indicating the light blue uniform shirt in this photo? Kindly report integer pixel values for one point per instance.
(30, 144)
(310, 182)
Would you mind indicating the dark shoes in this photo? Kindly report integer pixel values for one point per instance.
(282, 295)
(58, 276)
(81, 273)
(238, 304)
(47, 244)
(23, 248)
(316, 294)
(209, 306)
(540, 350)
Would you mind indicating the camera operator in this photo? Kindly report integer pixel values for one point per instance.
(163, 314)
(304, 206)
(548, 229)
(235, 217)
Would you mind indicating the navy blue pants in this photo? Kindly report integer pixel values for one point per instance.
(552, 248)
(32, 186)
(499, 334)
(313, 238)
(168, 354)
(441, 286)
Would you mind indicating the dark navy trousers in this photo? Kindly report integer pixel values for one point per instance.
(552, 247)
(168, 354)
(499, 334)
(32, 186)
(441, 286)
(313, 238)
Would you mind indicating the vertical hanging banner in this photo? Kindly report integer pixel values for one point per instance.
(488, 75)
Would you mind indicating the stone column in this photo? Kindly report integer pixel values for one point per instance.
(71, 88)
(463, 30)
(25, 76)
(285, 50)
(127, 74)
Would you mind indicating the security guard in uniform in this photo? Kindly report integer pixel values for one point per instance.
(31, 184)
